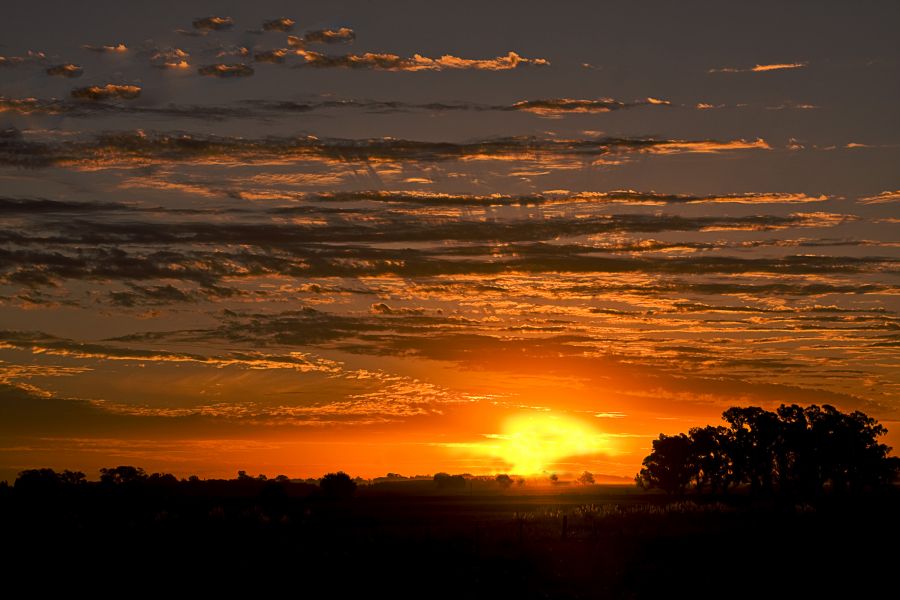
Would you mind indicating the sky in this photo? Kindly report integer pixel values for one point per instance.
(292, 238)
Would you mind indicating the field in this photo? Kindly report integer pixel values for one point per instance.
(412, 540)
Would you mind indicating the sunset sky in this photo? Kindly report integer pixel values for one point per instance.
(413, 237)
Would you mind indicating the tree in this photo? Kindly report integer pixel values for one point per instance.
(586, 478)
(448, 481)
(37, 481)
(709, 460)
(669, 466)
(68, 477)
(337, 485)
(793, 450)
(504, 480)
(122, 475)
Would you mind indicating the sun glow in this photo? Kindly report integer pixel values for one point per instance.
(532, 444)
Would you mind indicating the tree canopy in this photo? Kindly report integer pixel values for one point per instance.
(793, 450)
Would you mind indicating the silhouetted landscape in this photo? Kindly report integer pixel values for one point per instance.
(377, 300)
(795, 501)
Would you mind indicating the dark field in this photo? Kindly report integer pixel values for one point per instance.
(412, 540)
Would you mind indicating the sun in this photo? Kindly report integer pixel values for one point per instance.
(532, 444)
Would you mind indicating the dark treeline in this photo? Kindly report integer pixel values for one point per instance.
(129, 480)
(793, 451)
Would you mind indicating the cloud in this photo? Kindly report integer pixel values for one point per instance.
(270, 56)
(36, 206)
(623, 197)
(561, 106)
(393, 62)
(35, 106)
(107, 92)
(226, 70)
(15, 61)
(760, 68)
(170, 58)
(118, 48)
(65, 70)
(279, 24)
(39, 342)
(325, 36)
(141, 148)
(213, 23)
(380, 308)
(882, 198)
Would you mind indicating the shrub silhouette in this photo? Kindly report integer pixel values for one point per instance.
(794, 450)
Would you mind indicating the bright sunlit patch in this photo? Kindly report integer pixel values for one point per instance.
(532, 444)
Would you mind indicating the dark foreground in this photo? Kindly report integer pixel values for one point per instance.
(601, 542)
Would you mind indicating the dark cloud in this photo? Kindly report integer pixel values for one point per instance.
(226, 70)
(766, 68)
(270, 56)
(213, 23)
(170, 58)
(34, 106)
(393, 62)
(118, 48)
(107, 92)
(209, 268)
(140, 147)
(36, 206)
(397, 229)
(15, 61)
(266, 109)
(65, 70)
(624, 197)
(279, 24)
(164, 295)
(562, 106)
(325, 36)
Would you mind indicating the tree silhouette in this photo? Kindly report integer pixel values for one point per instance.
(669, 466)
(448, 481)
(586, 478)
(337, 485)
(794, 450)
(504, 480)
(122, 475)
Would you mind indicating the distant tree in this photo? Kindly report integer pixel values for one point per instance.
(337, 485)
(554, 478)
(447, 481)
(504, 480)
(68, 477)
(37, 481)
(282, 479)
(122, 475)
(586, 478)
(165, 479)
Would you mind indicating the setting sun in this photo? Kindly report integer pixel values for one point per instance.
(533, 444)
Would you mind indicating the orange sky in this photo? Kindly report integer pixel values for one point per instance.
(376, 246)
